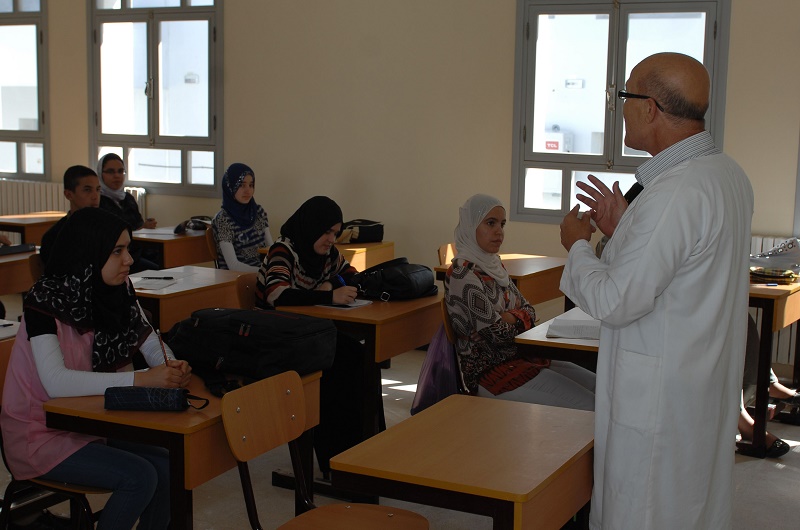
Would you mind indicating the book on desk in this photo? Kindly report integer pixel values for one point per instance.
(574, 324)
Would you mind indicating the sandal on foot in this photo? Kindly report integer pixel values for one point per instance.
(777, 449)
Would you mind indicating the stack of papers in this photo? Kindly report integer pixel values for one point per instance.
(8, 328)
(574, 324)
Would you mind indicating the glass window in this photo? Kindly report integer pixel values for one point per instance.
(573, 59)
(155, 72)
(23, 89)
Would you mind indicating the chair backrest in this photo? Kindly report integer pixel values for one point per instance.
(246, 290)
(212, 246)
(448, 327)
(36, 265)
(264, 415)
(446, 253)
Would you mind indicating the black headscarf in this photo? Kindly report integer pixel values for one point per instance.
(72, 289)
(243, 215)
(315, 217)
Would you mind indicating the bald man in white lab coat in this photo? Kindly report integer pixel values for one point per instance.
(671, 290)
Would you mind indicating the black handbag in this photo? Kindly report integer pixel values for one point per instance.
(361, 231)
(150, 398)
(395, 279)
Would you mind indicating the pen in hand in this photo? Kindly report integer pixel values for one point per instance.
(163, 349)
(341, 280)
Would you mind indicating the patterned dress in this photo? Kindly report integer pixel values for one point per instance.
(246, 241)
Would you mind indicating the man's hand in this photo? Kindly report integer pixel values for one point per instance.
(606, 206)
(574, 228)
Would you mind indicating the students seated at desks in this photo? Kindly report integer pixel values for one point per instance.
(304, 267)
(116, 200)
(80, 327)
(487, 311)
(241, 227)
(775, 446)
(82, 190)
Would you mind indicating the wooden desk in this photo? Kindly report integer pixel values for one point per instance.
(176, 249)
(524, 465)
(537, 277)
(15, 273)
(30, 226)
(389, 329)
(535, 343)
(204, 287)
(780, 306)
(195, 439)
(365, 255)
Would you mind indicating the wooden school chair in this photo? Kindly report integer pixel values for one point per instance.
(446, 253)
(451, 338)
(212, 246)
(271, 412)
(80, 511)
(246, 290)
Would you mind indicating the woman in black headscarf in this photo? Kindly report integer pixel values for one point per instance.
(305, 268)
(80, 327)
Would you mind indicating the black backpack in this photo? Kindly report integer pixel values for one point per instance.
(256, 344)
(395, 279)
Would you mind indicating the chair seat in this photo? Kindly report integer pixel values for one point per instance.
(66, 486)
(357, 517)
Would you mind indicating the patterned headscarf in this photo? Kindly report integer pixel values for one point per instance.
(314, 217)
(72, 289)
(470, 215)
(117, 195)
(244, 215)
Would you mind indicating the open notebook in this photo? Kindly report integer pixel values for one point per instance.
(574, 324)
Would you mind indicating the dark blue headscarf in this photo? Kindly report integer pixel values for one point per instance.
(243, 215)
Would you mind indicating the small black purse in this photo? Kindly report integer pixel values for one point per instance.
(150, 398)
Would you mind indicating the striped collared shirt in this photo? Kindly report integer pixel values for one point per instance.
(700, 144)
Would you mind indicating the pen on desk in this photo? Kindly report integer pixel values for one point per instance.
(163, 349)
(157, 278)
(6, 325)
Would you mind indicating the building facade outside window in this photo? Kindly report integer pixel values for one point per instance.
(572, 60)
(157, 91)
(24, 119)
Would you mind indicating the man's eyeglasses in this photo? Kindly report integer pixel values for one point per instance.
(111, 171)
(625, 95)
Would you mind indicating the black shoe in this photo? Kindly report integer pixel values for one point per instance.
(777, 449)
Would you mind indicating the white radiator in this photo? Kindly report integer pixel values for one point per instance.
(139, 194)
(784, 341)
(24, 196)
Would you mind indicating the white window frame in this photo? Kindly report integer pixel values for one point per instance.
(153, 139)
(42, 136)
(715, 59)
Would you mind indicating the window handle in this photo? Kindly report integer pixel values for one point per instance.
(148, 88)
(611, 101)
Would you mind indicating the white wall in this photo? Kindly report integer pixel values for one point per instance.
(401, 110)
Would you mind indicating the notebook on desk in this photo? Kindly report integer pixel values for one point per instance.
(17, 249)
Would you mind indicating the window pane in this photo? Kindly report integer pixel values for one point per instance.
(626, 180)
(201, 2)
(109, 4)
(8, 157)
(542, 189)
(34, 158)
(154, 165)
(201, 167)
(30, 6)
(19, 91)
(155, 3)
(570, 84)
(6, 6)
(650, 33)
(123, 78)
(183, 73)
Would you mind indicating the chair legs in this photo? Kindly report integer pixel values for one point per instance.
(79, 509)
(249, 497)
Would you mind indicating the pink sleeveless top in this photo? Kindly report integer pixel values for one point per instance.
(31, 448)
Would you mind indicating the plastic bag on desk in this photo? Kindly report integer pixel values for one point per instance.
(784, 256)
(438, 377)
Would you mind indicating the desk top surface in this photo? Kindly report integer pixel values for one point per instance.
(523, 265)
(32, 218)
(188, 278)
(19, 256)
(463, 442)
(375, 313)
(165, 234)
(760, 290)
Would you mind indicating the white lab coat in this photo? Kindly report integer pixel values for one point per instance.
(671, 290)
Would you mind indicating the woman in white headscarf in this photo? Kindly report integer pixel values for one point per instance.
(487, 311)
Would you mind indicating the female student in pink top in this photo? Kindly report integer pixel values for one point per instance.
(81, 326)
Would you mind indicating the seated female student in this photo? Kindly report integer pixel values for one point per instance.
(241, 226)
(305, 268)
(487, 311)
(116, 200)
(80, 327)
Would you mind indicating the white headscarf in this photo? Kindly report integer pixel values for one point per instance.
(117, 195)
(470, 215)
